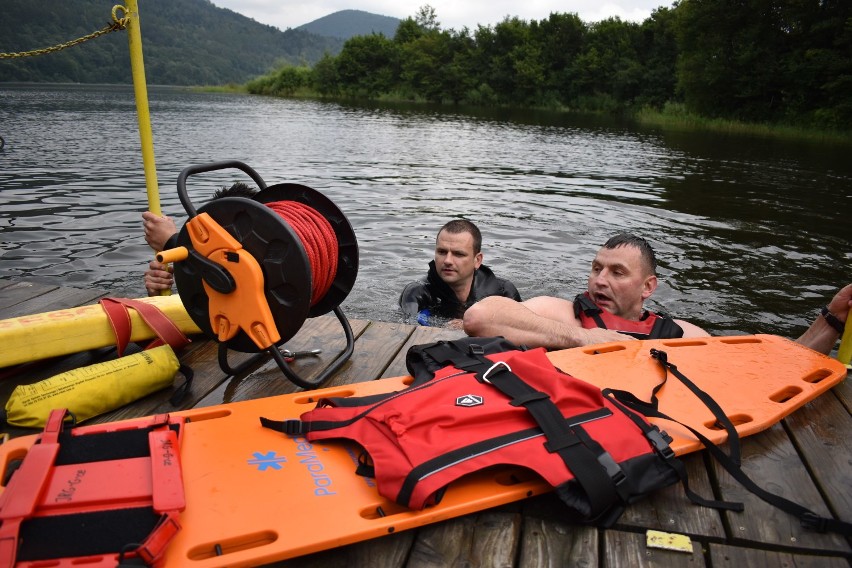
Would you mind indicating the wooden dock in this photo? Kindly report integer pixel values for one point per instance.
(807, 458)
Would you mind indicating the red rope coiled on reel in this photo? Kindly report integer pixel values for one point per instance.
(318, 239)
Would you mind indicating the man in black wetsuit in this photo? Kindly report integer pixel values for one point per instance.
(456, 280)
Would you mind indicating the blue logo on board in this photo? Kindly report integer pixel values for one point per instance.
(267, 460)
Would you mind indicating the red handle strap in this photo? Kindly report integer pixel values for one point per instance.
(119, 318)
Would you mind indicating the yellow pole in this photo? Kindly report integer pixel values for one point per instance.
(140, 89)
(844, 353)
(134, 38)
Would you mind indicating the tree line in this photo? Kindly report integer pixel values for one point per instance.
(781, 61)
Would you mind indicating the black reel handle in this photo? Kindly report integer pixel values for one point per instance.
(202, 168)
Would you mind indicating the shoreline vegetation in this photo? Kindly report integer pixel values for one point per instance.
(673, 116)
(695, 66)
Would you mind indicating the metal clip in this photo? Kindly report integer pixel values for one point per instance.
(494, 366)
(290, 356)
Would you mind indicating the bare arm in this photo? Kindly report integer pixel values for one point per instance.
(543, 321)
(691, 330)
(820, 336)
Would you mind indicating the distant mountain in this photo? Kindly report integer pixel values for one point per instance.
(185, 42)
(348, 23)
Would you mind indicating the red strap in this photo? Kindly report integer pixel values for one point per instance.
(151, 551)
(119, 319)
(22, 496)
(29, 488)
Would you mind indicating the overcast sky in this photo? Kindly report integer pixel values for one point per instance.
(453, 14)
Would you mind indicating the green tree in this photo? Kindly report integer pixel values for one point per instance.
(436, 66)
(510, 61)
(561, 38)
(368, 66)
(427, 19)
(407, 31)
(731, 57)
(658, 52)
(325, 79)
(423, 62)
(609, 65)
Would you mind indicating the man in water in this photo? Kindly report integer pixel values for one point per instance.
(161, 234)
(456, 279)
(622, 277)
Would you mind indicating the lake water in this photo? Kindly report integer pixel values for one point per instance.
(752, 235)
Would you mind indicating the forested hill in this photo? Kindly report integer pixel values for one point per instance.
(185, 42)
(349, 23)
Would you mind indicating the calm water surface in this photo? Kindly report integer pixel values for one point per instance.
(752, 235)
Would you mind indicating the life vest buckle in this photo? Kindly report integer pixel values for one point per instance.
(660, 441)
(494, 368)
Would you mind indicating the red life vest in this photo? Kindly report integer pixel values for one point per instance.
(510, 408)
(649, 326)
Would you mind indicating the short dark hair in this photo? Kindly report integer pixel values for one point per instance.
(457, 226)
(645, 250)
(239, 189)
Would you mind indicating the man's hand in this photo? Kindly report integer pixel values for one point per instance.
(157, 278)
(841, 303)
(158, 229)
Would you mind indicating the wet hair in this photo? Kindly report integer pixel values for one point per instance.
(649, 259)
(239, 189)
(457, 226)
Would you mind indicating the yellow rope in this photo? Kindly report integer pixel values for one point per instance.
(116, 25)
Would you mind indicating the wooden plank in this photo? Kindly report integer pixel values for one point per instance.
(21, 292)
(496, 538)
(490, 538)
(843, 392)
(322, 332)
(421, 335)
(389, 551)
(51, 300)
(443, 544)
(770, 459)
(820, 431)
(554, 544)
(722, 556)
(376, 347)
(670, 510)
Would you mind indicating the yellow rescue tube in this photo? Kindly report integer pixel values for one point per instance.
(62, 332)
(93, 390)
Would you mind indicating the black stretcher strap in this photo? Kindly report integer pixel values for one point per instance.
(731, 462)
(84, 534)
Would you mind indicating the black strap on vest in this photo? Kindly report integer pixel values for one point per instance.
(731, 462)
(664, 327)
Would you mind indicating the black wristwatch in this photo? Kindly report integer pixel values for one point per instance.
(832, 320)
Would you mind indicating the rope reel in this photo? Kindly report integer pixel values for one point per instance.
(253, 270)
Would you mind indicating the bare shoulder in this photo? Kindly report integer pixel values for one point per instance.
(690, 329)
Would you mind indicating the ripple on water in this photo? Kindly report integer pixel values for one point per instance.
(750, 235)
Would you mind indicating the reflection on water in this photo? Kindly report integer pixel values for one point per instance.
(751, 235)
